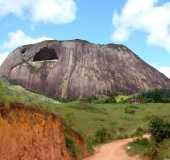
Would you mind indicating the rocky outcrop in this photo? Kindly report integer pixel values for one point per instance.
(29, 134)
(77, 68)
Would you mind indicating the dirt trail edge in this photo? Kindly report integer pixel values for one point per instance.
(114, 151)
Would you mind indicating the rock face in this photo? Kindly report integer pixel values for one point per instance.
(77, 68)
(27, 134)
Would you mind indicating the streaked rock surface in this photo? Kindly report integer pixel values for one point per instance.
(76, 68)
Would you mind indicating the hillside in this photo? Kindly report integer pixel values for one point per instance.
(29, 131)
(87, 118)
(27, 134)
(76, 68)
(92, 120)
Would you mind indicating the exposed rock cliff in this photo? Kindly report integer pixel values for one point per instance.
(28, 134)
(74, 69)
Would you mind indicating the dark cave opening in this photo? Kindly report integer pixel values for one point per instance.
(45, 54)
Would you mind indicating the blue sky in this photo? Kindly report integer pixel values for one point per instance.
(142, 25)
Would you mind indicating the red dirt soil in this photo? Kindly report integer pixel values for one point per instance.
(114, 151)
(27, 134)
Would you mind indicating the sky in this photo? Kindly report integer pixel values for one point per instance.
(141, 25)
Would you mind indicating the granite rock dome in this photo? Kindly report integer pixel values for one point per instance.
(77, 68)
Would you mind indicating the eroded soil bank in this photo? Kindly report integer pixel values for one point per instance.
(29, 134)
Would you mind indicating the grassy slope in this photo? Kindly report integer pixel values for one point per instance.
(88, 117)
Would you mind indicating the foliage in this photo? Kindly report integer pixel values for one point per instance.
(102, 135)
(159, 129)
(4, 92)
(71, 146)
(164, 150)
(98, 99)
(90, 144)
(70, 119)
(156, 148)
(142, 147)
(131, 109)
(121, 99)
(155, 96)
(139, 132)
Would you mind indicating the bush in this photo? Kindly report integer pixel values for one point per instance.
(159, 129)
(130, 109)
(90, 144)
(99, 99)
(121, 99)
(155, 96)
(139, 132)
(70, 119)
(156, 148)
(164, 150)
(142, 147)
(101, 136)
(71, 146)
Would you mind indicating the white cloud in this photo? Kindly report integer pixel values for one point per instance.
(146, 16)
(165, 70)
(16, 39)
(54, 11)
(3, 56)
(19, 38)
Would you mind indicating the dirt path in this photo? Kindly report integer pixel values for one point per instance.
(113, 151)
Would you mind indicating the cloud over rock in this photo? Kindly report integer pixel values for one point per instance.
(148, 16)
